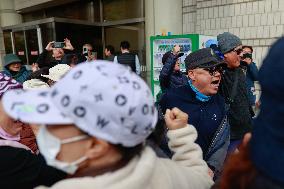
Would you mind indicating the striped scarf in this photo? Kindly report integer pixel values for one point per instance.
(7, 83)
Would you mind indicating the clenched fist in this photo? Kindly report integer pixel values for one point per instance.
(175, 119)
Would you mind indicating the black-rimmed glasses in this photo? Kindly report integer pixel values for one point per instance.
(214, 70)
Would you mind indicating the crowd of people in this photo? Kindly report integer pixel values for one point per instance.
(73, 121)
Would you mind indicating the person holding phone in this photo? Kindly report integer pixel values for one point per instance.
(88, 52)
(58, 49)
(170, 75)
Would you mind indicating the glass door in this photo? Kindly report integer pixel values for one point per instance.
(25, 45)
(20, 49)
(32, 47)
(134, 34)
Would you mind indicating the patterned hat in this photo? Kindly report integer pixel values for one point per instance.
(7, 83)
(107, 101)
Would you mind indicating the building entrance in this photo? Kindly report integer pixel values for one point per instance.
(28, 40)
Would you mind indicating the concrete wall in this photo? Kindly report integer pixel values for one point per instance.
(161, 16)
(8, 16)
(257, 22)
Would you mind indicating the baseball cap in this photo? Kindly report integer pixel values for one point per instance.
(167, 55)
(211, 42)
(107, 101)
(202, 58)
(57, 72)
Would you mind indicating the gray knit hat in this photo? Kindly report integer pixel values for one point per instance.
(11, 58)
(228, 41)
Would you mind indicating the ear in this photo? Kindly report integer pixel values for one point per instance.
(98, 148)
(191, 75)
(226, 55)
(246, 139)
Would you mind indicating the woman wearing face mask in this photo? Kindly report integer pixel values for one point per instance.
(98, 135)
(20, 167)
(13, 68)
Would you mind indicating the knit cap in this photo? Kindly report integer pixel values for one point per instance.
(228, 42)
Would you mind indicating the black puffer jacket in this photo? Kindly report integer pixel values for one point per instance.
(170, 78)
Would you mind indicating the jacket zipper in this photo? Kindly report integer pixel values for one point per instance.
(215, 137)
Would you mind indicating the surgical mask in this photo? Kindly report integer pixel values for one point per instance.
(49, 147)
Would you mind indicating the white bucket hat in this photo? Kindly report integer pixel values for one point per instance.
(35, 84)
(57, 72)
(107, 101)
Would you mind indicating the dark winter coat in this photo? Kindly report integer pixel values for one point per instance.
(170, 78)
(240, 112)
(206, 117)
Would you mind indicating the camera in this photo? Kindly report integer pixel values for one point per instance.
(85, 51)
(247, 55)
(58, 44)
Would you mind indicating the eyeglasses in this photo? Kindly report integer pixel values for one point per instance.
(214, 70)
(238, 51)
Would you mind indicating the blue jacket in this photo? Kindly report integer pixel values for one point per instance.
(21, 76)
(208, 118)
(170, 78)
(251, 77)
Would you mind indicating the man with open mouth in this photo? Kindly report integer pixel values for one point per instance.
(205, 107)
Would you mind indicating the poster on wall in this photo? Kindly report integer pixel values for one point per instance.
(203, 39)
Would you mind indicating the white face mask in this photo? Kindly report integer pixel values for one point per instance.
(49, 146)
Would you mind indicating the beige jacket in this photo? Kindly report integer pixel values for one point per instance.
(186, 170)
